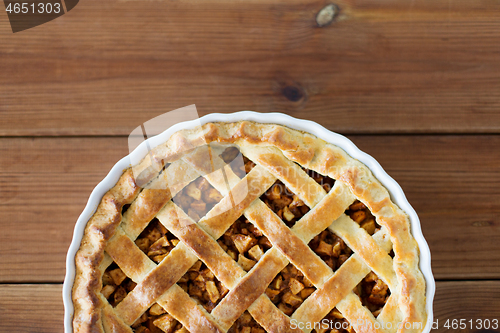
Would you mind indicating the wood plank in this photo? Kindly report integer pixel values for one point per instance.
(45, 186)
(30, 308)
(452, 181)
(424, 66)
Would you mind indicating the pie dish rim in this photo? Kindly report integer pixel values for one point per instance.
(395, 191)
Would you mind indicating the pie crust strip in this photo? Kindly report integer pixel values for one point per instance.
(159, 280)
(182, 307)
(359, 316)
(317, 306)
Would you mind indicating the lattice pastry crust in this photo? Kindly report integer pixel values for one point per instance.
(279, 153)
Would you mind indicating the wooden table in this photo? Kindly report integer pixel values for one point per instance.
(416, 84)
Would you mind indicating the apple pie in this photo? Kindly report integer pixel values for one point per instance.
(248, 228)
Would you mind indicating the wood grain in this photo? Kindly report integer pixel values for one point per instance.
(45, 186)
(391, 66)
(476, 300)
(452, 181)
(39, 308)
(31, 308)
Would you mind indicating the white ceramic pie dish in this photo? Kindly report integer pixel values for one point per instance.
(390, 184)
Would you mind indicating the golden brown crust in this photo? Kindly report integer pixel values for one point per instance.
(249, 289)
(274, 148)
(155, 284)
(86, 288)
(294, 248)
